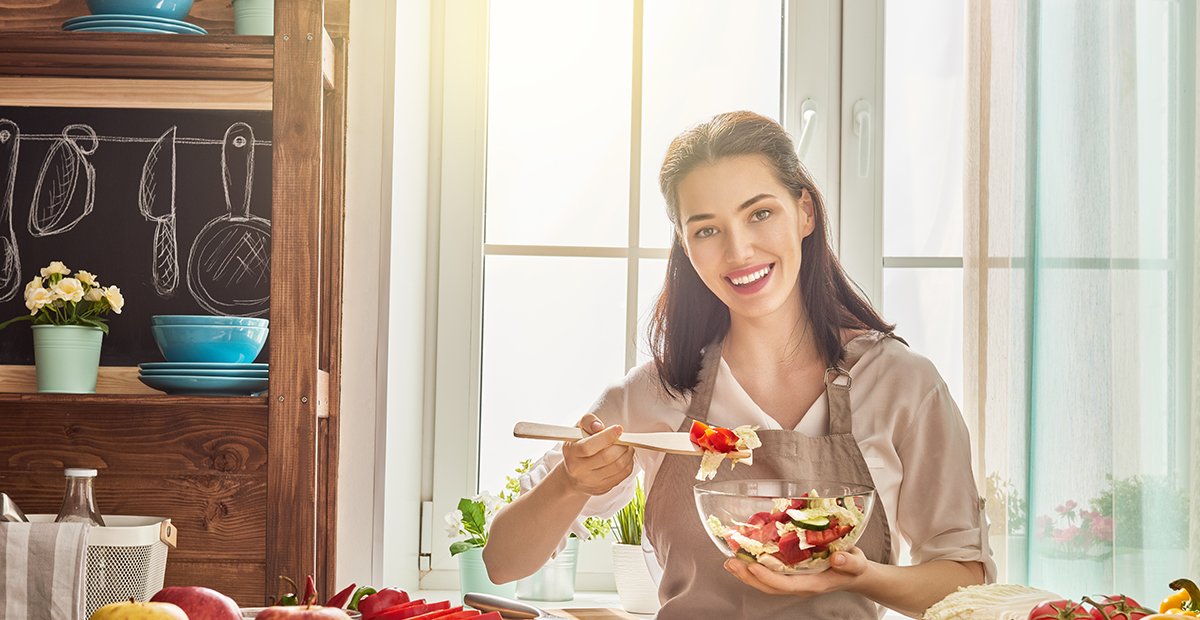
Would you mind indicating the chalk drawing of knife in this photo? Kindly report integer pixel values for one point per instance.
(156, 201)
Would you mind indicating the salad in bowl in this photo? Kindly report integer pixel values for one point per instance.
(789, 526)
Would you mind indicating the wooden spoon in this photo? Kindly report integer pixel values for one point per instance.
(671, 443)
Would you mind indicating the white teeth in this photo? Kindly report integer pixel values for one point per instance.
(744, 280)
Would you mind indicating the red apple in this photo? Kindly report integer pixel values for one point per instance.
(200, 603)
(302, 612)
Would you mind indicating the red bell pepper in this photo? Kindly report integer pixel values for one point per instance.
(423, 610)
(713, 438)
(438, 613)
(373, 604)
(340, 599)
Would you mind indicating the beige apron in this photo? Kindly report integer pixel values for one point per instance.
(694, 583)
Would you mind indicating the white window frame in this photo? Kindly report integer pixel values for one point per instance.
(813, 49)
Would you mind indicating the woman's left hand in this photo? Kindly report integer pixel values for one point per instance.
(846, 567)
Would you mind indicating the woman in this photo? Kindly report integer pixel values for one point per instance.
(758, 324)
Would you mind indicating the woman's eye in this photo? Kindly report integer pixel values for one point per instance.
(705, 232)
(761, 215)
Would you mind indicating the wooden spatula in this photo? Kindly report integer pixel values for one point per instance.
(671, 443)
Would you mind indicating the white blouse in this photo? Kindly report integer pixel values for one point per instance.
(908, 427)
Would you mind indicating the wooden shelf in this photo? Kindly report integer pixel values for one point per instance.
(79, 401)
(140, 56)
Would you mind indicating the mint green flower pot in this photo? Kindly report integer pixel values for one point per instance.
(67, 358)
(473, 577)
(254, 17)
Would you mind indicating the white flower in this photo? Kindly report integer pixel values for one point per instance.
(94, 294)
(34, 284)
(69, 289)
(454, 520)
(37, 299)
(115, 300)
(87, 278)
(55, 267)
(490, 502)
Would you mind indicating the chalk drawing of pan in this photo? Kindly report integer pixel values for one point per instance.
(58, 205)
(156, 201)
(10, 259)
(229, 265)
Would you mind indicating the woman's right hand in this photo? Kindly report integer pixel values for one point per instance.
(596, 464)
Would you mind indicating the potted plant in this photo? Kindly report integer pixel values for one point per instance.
(636, 588)
(68, 326)
(468, 527)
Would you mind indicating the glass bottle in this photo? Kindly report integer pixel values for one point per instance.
(79, 503)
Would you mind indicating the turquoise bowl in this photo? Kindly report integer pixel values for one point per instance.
(171, 9)
(206, 319)
(230, 344)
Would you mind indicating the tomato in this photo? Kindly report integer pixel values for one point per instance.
(790, 551)
(823, 537)
(1059, 610)
(713, 438)
(1116, 607)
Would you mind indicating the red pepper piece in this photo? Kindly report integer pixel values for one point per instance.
(340, 599)
(424, 612)
(310, 592)
(373, 604)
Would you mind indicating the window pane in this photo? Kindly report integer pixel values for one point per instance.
(553, 339)
(651, 272)
(923, 140)
(927, 307)
(700, 58)
(558, 122)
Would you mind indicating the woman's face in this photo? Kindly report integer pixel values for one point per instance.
(742, 230)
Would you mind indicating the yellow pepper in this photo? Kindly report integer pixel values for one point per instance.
(1185, 601)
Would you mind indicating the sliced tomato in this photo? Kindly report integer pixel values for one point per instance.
(697, 431)
(823, 537)
(733, 544)
(799, 503)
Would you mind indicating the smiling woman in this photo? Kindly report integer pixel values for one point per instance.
(758, 325)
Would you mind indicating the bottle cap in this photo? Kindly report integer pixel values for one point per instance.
(74, 472)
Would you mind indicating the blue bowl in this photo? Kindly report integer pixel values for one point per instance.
(206, 319)
(230, 344)
(171, 9)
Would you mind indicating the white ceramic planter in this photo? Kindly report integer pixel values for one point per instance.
(636, 588)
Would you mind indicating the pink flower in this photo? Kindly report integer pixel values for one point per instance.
(1102, 528)
(1067, 507)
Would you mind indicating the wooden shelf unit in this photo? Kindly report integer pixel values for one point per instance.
(137, 56)
(222, 468)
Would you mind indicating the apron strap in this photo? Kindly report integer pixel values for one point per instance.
(837, 383)
(702, 396)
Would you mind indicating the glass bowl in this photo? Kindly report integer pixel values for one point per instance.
(789, 526)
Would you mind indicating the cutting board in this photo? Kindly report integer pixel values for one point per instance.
(595, 613)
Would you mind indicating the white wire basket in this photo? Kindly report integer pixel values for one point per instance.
(127, 558)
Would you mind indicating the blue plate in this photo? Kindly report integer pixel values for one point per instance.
(124, 29)
(204, 365)
(204, 372)
(211, 386)
(142, 21)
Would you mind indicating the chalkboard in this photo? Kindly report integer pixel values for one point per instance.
(172, 206)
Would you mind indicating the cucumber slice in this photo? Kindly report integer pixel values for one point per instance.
(816, 524)
(744, 555)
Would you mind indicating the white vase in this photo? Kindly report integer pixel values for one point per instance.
(635, 586)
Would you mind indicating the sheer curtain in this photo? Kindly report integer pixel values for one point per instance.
(1081, 290)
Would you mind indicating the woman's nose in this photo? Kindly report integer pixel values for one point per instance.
(738, 247)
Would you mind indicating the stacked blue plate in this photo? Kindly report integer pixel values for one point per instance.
(211, 355)
(146, 24)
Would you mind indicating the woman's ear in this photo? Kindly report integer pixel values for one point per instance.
(808, 221)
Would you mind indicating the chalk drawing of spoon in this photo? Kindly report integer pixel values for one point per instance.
(10, 258)
(57, 204)
(229, 265)
(156, 201)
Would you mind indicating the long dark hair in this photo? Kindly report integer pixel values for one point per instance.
(688, 316)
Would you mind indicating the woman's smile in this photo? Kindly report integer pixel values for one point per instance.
(751, 279)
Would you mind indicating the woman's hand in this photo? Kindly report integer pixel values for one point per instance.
(845, 568)
(594, 465)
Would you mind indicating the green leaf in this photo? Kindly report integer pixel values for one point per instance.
(462, 545)
(23, 317)
(474, 520)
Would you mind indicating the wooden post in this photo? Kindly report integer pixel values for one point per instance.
(292, 468)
